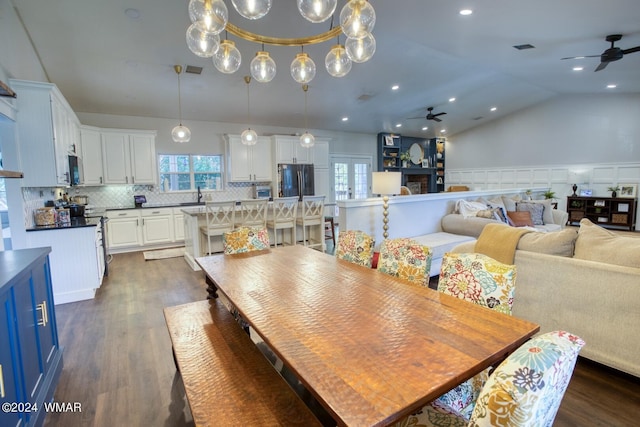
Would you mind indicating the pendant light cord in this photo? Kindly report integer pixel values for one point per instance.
(178, 69)
(247, 79)
(306, 117)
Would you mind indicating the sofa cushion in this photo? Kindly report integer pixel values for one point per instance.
(535, 209)
(561, 243)
(594, 243)
(520, 218)
(547, 214)
(510, 202)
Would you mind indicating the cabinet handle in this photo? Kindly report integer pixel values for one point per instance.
(100, 180)
(1, 384)
(133, 179)
(122, 214)
(137, 222)
(143, 222)
(155, 212)
(126, 179)
(45, 318)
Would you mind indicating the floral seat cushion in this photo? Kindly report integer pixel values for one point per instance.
(405, 258)
(245, 239)
(355, 246)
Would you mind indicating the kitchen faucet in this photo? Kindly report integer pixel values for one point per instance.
(199, 194)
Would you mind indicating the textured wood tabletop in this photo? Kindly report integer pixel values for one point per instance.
(370, 347)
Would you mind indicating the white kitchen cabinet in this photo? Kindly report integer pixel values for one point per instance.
(129, 156)
(321, 154)
(123, 228)
(157, 226)
(91, 154)
(287, 149)
(248, 163)
(178, 225)
(47, 130)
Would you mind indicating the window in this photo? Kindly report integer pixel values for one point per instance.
(186, 172)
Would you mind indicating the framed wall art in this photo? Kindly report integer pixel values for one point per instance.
(628, 190)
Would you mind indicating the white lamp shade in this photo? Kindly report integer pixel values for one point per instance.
(386, 183)
(577, 177)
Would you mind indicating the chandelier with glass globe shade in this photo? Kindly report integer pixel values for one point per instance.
(210, 17)
(180, 133)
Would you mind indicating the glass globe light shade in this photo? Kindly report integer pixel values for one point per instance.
(317, 10)
(252, 9)
(211, 14)
(263, 67)
(361, 50)
(357, 18)
(202, 43)
(303, 69)
(181, 133)
(249, 137)
(337, 62)
(227, 59)
(307, 140)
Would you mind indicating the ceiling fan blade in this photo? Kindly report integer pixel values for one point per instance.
(436, 119)
(439, 114)
(631, 50)
(420, 117)
(602, 66)
(580, 57)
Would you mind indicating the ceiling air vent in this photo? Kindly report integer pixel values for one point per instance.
(364, 97)
(193, 69)
(478, 118)
(524, 46)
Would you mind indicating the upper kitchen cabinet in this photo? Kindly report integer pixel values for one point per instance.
(91, 154)
(248, 163)
(46, 125)
(320, 154)
(129, 156)
(287, 149)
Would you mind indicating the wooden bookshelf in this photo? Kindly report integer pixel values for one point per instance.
(608, 212)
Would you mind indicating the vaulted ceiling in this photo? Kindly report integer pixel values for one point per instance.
(104, 61)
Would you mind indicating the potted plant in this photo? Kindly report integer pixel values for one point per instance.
(528, 193)
(549, 194)
(614, 190)
(404, 157)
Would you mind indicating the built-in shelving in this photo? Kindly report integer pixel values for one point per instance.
(609, 212)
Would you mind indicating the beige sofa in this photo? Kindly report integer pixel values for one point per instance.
(586, 294)
(472, 226)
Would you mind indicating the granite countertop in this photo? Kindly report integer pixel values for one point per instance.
(155, 206)
(76, 222)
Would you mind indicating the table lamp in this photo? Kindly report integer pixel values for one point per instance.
(575, 178)
(385, 184)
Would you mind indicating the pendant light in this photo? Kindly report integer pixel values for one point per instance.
(202, 43)
(337, 62)
(303, 69)
(213, 15)
(362, 49)
(249, 136)
(227, 59)
(317, 10)
(252, 9)
(306, 139)
(180, 133)
(263, 67)
(357, 19)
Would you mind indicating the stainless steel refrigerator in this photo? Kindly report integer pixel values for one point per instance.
(295, 180)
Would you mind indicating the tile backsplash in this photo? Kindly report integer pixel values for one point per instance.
(112, 196)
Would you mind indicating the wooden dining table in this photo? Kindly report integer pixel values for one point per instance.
(370, 347)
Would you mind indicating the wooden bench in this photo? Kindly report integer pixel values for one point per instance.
(226, 378)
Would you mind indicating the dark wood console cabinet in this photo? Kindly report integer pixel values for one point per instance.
(609, 212)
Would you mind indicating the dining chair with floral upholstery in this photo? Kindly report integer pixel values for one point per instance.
(405, 258)
(245, 239)
(479, 279)
(355, 246)
(525, 390)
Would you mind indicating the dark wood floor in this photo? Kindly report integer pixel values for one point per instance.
(118, 363)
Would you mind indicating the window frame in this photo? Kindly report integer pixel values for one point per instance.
(192, 172)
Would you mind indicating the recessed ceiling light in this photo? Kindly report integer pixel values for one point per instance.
(399, 125)
(452, 99)
(443, 131)
(466, 12)
(493, 108)
(345, 119)
(578, 68)
(132, 13)
(425, 128)
(395, 87)
(612, 86)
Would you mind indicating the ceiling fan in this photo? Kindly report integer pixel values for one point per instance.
(610, 55)
(430, 115)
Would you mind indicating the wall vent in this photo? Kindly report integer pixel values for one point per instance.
(193, 69)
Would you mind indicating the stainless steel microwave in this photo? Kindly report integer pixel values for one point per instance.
(261, 192)
(75, 170)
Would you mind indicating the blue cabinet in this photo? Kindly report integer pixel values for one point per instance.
(30, 354)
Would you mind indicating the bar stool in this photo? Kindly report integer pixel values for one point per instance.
(285, 211)
(252, 213)
(220, 217)
(312, 215)
(330, 229)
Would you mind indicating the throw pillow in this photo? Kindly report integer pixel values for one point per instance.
(510, 202)
(547, 215)
(560, 243)
(535, 210)
(485, 213)
(520, 219)
(595, 243)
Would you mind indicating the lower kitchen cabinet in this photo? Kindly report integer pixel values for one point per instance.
(178, 225)
(123, 228)
(31, 358)
(136, 229)
(157, 226)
